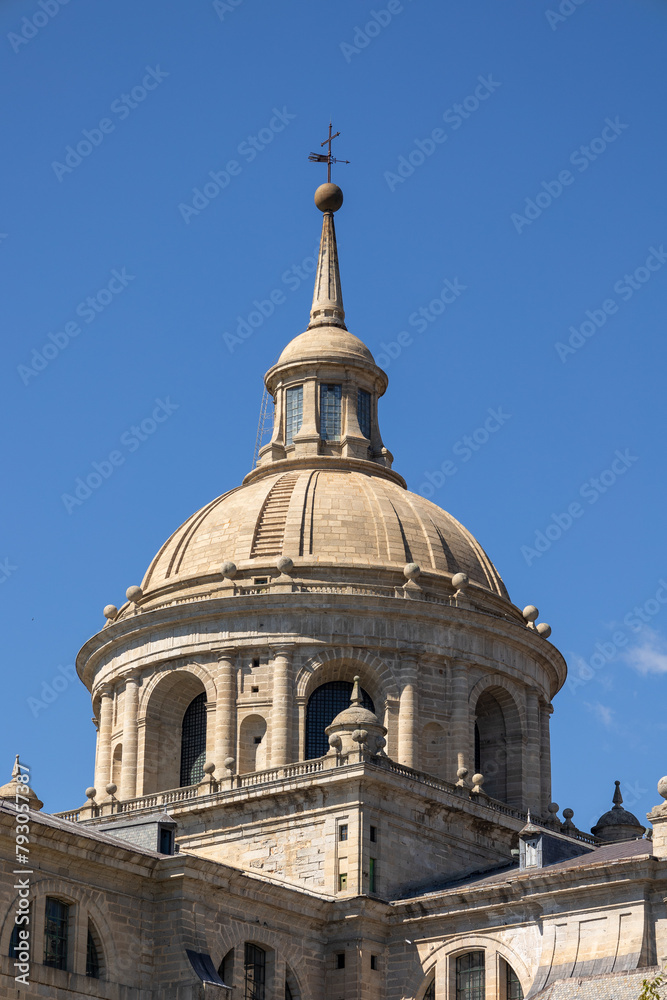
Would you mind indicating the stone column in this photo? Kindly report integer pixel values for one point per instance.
(408, 738)
(546, 711)
(103, 762)
(128, 771)
(225, 711)
(307, 439)
(530, 769)
(461, 723)
(281, 710)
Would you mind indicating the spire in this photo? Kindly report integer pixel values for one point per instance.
(355, 697)
(618, 798)
(327, 308)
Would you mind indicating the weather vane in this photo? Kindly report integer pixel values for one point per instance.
(327, 157)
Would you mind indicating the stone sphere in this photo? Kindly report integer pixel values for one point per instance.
(360, 735)
(478, 779)
(568, 813)
(544, 630)
(111, 788)
(328, 197)
(462, 772)
(460, 581)
(662, 787)
(411, 570)
(530, 612)
(229, 763)
(228, 569)
(553, 807)
(209, 767)
(91, 792)
(110, 612)
(335, 741)
(285, 564)
(134, 594)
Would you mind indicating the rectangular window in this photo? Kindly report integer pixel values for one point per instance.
(342, 882)
(470, 976)
(340, 960)
(342, 831)
(293, 413)
(364, 412)
(373, 833)
(372, 874)
(374, 962)
(330, 409)
(255, 972)
(56, 920)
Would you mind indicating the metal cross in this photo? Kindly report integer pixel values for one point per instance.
(327, 157)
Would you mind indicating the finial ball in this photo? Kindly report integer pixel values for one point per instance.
(328, 197)
(110, 611)
(544, 630)
(530, 612)
(662, 787)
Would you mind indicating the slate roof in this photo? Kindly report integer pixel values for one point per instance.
(613, 986)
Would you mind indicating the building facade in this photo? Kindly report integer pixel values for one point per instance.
(323, 756)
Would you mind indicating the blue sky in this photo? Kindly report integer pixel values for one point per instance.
(540, 198)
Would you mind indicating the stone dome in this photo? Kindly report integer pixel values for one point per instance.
(325, 518)
(323, 342)
(617, 824)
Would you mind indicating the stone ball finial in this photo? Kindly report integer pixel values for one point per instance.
(568, 813)
(209, 767)
(544, 630)
(411, 571)
(328, 197)
(110, 611)
(460, 581)
(285, 564)
(335, 741)
(360, 735)
(530, 612)
(228, 570)
(229, 763)
(662, 787)
(134, 594)
(91, 793)
(553, 808)
(462, 773)
(111, 788)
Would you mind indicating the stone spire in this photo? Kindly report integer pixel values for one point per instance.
(617, 824)
(327, 308)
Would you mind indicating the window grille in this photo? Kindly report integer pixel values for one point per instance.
(193, 741)
(470, 976)
(293, 413)
(364, 412)
(514, 991)
(330, 409)
(430, 991)
(92, 958)
(56, 921)
(255, 972)
(342, 831)
(323, 706)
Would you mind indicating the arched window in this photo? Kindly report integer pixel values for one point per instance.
(226, 969)
(491, 746)
(92, 955)
(324, 705)
(470, 983)
(116, 764)
(252, 744)
(193, 741)
(255, 972)
(56, 933)
(512, 985)
(430, 991)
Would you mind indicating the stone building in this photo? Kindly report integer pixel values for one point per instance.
(323, 755)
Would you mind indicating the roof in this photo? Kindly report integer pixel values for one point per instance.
(612, 986)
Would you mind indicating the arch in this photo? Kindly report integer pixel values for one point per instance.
(95, 966)
(342, 663)
(305, 980)
(193, 741)
(498, 740)
(461, 944)
(432, 749)
(116, 764)
(323, 706)
(292, 991)
(164, 709)
(253, 749)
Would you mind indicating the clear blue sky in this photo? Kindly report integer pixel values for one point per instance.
(561, 117)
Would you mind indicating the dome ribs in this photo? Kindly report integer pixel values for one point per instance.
(306, 533)
(270, 530)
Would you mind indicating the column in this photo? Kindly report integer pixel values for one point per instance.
(408, 752)
(105, 722)
(281, 710)
(307, 439)
(225, 711)
(531, 797)
(546, 711)
(461, 723)
(128, 771)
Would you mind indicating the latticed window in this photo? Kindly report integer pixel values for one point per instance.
(364, 412)
(470, 976)
(330, 409)
(255, 972)
(514, 991)
(56, 921)
(323, 706)
(193, 741)
(293, 413)
(430, 991)
(92, 958)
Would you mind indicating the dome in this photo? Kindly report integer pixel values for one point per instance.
(326, 517)
(355, 715)
(322, 342)
(617, 824)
